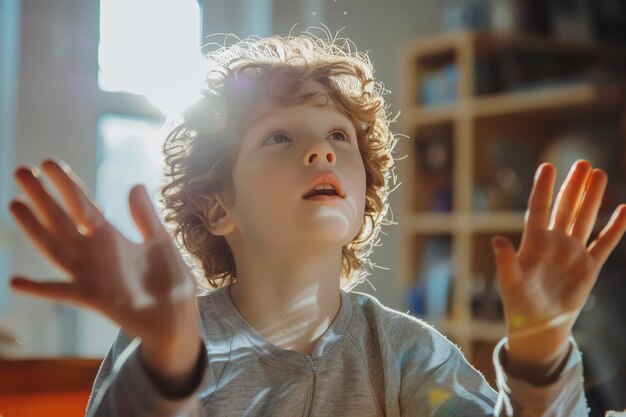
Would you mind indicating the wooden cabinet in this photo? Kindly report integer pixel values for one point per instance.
(46, 387)
(482, 112)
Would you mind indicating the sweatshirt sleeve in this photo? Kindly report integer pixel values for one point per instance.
(563, 397)
(437, 381)
(123, 387)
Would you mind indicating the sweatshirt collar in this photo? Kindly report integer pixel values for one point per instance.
(269, 351)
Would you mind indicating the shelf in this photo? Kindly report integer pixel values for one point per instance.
(420, 117)
(560, 98)
(476, 329)
(475, 222)
(548, 99)
(437, 45)
(450, 41)
(481, 330)
(430, 223)
(486, 330)
(504, 221)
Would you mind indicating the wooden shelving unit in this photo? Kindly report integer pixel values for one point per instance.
(474, 123)
(35, 387)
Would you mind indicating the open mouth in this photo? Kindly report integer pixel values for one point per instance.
(322, 192)
(325, 187)
(323, 197)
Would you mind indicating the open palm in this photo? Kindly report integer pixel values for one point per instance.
(146, 288)
(547, 282)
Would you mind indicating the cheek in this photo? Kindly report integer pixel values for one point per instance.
(261, 187)
(358, 186)
(360, 179)
(362, 200)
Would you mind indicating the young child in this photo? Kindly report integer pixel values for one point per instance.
(278, 186)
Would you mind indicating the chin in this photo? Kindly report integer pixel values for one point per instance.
(331, 235)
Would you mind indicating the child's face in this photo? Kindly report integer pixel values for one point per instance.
(283, 150)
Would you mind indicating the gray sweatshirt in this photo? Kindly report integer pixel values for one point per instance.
(371, 361)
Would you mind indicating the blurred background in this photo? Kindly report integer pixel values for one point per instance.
(487, 90)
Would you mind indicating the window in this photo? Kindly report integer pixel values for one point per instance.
(151, 48)
(129, 152)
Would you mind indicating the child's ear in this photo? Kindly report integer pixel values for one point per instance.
(217, 219)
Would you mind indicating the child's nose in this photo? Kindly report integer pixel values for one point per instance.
(319, 153)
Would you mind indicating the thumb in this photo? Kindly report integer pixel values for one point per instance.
(506, 262)
(143, 213)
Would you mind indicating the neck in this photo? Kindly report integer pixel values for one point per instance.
(291, 307)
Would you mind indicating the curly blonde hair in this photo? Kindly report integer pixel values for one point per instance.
(201, 150)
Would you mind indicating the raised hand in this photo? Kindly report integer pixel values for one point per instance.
(146, 288)
(545, 284)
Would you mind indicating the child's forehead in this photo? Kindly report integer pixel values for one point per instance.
(269, 107)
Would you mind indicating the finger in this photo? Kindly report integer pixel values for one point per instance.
(540, 199)
(506, 261)
(75, 193)
(55, 290)
(143, 213)
(586, 218)
(54, 216)
(568, 199)
(610, 236)
(51, 247)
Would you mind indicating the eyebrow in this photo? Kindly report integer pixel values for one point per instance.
(268, 113)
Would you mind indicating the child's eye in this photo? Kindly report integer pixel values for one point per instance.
(340, 135)
(281, 138)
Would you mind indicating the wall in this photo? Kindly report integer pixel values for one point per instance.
(55, 116)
